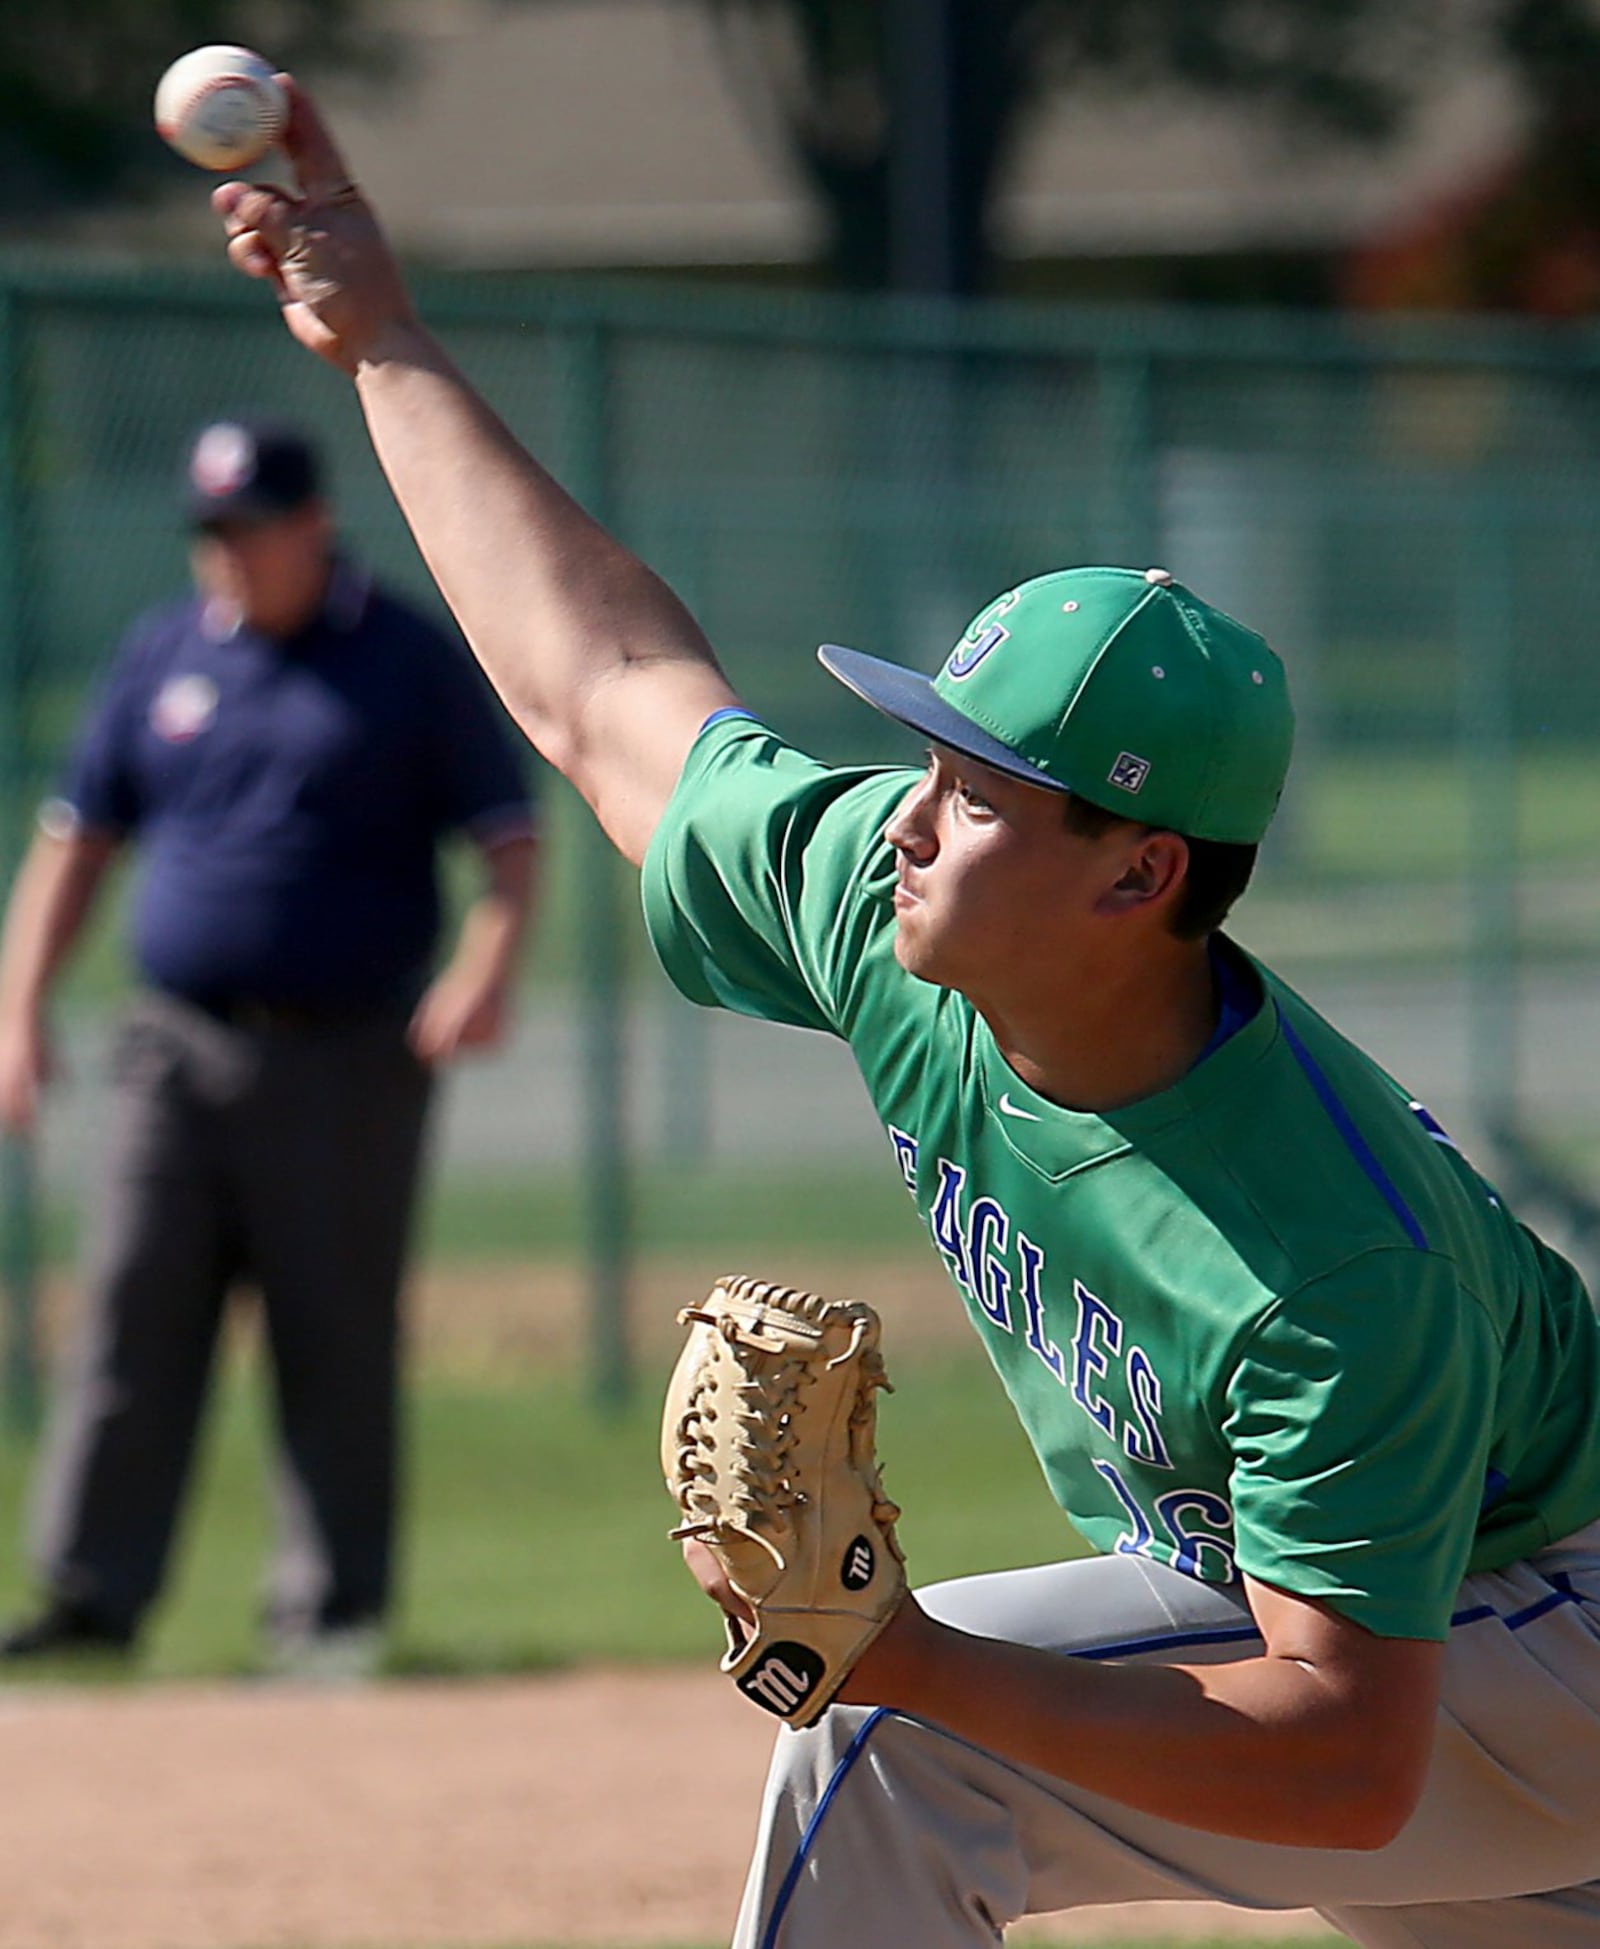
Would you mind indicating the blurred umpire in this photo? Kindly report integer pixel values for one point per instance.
(286, 747)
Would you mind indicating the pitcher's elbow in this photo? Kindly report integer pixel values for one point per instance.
(1373, 1810)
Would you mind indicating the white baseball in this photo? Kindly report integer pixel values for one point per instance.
(221, 107)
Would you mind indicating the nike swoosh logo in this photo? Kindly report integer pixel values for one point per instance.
(1012, 1110)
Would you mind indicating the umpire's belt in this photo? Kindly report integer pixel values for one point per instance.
(259, 1015)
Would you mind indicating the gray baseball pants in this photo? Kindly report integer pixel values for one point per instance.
(878, 1829)
(274, 1150)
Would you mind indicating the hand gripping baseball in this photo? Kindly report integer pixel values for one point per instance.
(322, 251)
(767, 1445)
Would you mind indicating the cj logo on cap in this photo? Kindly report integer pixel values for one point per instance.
(984, 634)
(1129, 772)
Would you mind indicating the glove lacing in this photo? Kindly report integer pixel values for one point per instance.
(767, 1413)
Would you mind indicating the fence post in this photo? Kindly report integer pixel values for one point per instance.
(582, 358)
(1486, 619)
(19, 1253)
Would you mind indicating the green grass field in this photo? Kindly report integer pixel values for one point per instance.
(536, 1527)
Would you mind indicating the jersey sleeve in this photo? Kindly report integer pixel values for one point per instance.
(1359, 1426)
(768, 887)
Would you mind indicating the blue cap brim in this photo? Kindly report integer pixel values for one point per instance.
(910, 699)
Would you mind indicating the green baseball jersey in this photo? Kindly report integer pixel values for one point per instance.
(1267, 1321)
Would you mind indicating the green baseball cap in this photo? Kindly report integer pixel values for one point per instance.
(1114, 684)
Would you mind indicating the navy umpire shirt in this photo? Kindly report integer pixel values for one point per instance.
(288, 795)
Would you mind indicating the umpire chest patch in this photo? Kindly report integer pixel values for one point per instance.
(183, 707)
(784, 1679)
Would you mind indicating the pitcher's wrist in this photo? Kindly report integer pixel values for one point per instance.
(401, 341)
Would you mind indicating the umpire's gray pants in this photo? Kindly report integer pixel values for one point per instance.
(877, 1829)
(279, 1153)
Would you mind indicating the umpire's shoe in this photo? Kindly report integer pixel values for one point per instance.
(63, 1630)
(337, 1654)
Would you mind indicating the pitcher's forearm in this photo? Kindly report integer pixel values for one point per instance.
(1287, 1752)
(555, 608)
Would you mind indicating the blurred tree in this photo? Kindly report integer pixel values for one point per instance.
(1525, 235)
(903, 114)
(77, 78)
(845, 83)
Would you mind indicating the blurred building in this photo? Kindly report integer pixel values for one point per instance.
(611, 134)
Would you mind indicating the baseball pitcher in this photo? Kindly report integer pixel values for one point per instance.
(1328, 1413)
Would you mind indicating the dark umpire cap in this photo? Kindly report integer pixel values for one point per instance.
(247, 470)
(1117, 685)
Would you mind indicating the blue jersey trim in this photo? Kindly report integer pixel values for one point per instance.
(853, 1751)
(1239, 998)
(1359, 1149)
(727, 710)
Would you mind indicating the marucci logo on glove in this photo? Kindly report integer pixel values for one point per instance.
(859, 1562)
(767, 1446)
(784, 1679)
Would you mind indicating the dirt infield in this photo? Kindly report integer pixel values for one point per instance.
(559, 1810)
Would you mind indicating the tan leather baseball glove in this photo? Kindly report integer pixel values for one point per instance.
(767, 1444)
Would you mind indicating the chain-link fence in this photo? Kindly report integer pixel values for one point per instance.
(1407, 513)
